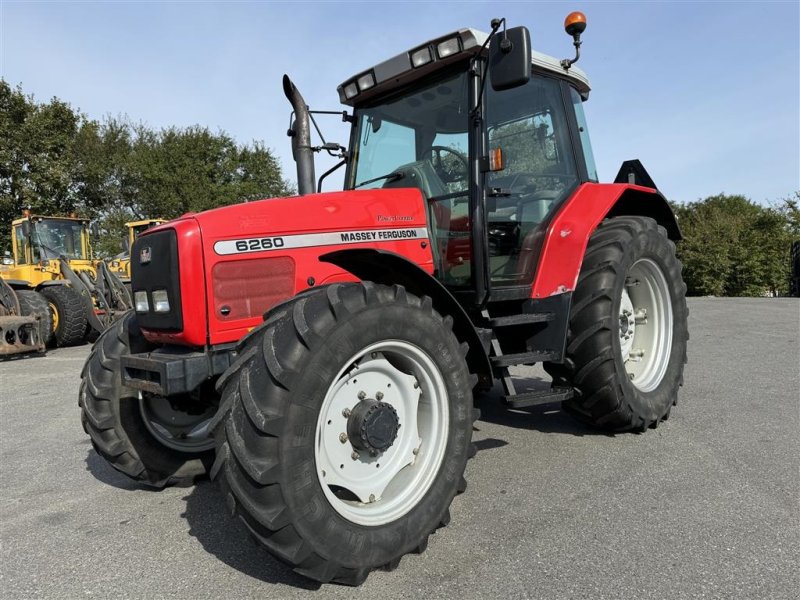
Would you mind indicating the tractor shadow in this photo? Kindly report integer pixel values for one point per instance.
(209, 522)
(227, 539)
(104, 473)
(546, 418)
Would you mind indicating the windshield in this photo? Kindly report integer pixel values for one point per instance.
(419, 137)
(53, 238)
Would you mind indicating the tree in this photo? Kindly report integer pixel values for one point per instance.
(36, 157)
(734, 247)
(55, 160)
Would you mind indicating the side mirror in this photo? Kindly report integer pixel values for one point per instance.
(26, 228)
(510, 58)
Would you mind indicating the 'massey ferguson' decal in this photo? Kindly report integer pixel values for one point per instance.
(307, 240)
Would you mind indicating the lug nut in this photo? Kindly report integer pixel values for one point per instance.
(362, 395)
(416, 385)
(346, 413)
(343, 437)
(379, 396)
(372, 497)
(415, 451)
(355, 455)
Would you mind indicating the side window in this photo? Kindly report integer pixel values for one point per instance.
(583, 129)
(21, 246)
(529, 126)
(449, 159)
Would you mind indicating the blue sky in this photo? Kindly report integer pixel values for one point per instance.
(707, 95)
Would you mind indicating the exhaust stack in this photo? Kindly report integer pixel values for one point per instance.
(300, 133)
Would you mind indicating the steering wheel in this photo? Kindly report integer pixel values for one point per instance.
(449, 173)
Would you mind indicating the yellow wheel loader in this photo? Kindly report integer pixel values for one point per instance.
(120, 265)
(53, 256)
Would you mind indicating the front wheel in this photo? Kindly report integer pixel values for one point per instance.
(158, 441)
(345, 429)
(69, 315)
(628, 331)
(34, 304)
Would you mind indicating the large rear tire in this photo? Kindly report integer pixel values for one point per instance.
(158, 441)
(69, 315)
(32, 304)
(345, 428)
(628, 331)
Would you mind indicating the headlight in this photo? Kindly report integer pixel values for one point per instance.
(448, 47)
(350, 90)
(140, 300)
(366, 81)
(421, 57)
(160, 301)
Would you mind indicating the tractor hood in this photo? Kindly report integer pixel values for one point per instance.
(348, 211)
(236, 262)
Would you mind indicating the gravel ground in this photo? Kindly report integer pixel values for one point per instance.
(705, 506)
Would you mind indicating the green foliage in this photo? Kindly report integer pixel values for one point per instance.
(734, 247)
(55, 160)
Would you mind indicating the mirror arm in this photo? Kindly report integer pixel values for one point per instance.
(566, 63)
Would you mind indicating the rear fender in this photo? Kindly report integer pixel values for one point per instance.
(388, 268)
(568, 234)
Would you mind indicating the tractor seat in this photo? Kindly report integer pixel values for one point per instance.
(421, 175)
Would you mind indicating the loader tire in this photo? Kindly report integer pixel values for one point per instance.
(33, 303)
(121, 423)
(319, 412)
(628, 331)
(69, 315)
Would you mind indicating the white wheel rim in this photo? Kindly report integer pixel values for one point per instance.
(374, 490)
(176, 429)
(645, 325)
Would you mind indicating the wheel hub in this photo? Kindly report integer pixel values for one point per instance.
(372, 426)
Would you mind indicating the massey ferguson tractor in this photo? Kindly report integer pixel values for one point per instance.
(318, 355)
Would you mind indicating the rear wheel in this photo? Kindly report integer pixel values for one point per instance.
(158, 441)
(35, 304)
(345, 429)
(628, 330)
(69, 315)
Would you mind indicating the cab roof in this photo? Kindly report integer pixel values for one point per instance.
(399, 71)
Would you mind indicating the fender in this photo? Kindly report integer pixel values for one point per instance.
(388, 268)
(568, 234)
(18, 284)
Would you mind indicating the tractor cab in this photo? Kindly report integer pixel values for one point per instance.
(493, 165)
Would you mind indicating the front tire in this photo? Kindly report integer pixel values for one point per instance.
(158, 441)
(34, 304)
(69, 315)
(345, 428)
(628, 331)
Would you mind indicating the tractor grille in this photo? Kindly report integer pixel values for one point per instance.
(154, 266)
(249, 288)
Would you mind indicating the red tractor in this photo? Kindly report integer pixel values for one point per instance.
(318, 355)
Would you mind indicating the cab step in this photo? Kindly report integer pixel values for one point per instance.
(521, 319)
(522, 358)
(555, 394)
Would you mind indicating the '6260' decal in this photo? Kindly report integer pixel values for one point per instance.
(306, 240)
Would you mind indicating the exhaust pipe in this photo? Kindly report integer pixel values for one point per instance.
(300, 133)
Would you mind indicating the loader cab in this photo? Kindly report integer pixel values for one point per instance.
(37, 239)
(493, 166)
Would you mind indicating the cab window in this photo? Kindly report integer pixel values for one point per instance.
(528, 125)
